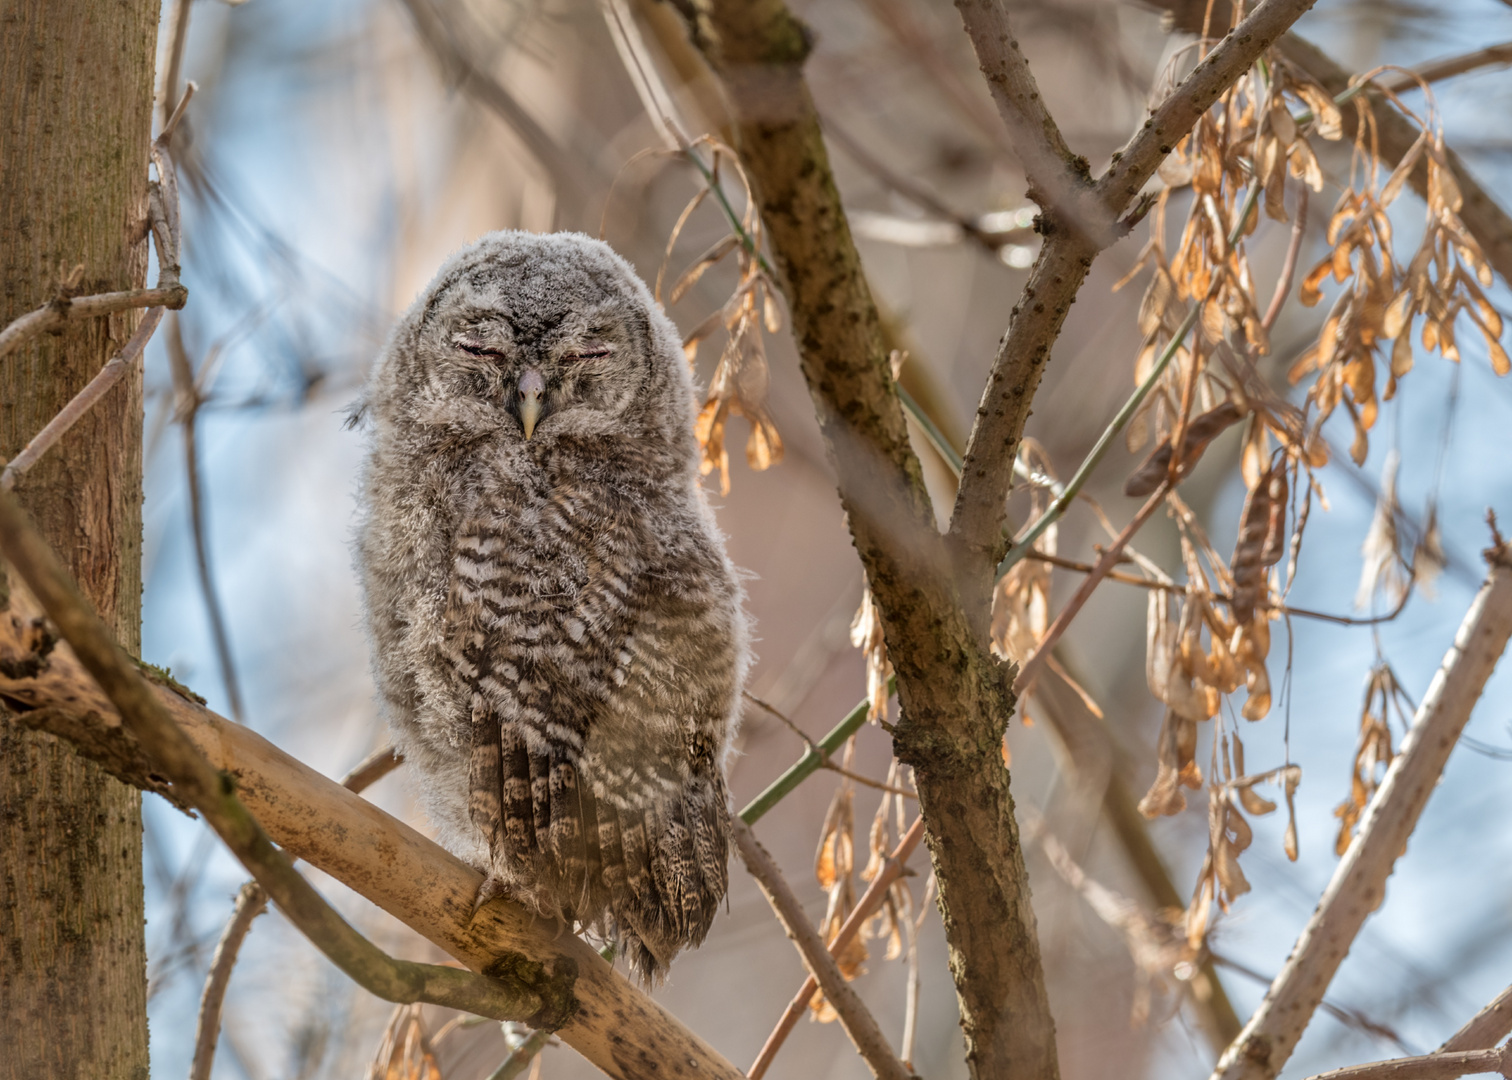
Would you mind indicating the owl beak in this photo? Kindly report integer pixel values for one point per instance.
(532, 395)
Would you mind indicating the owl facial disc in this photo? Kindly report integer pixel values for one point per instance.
(532, 396)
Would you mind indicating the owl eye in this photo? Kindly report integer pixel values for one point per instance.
(598, 352)
(475, 348)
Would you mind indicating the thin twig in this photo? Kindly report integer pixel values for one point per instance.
(1084, 591)
(55, 314)
(1289, 266)
(859, 1024)
(252, 901)
(114, 370)
(1439, 1066)
(870, 902)
(826, 761)
(1449, 67)
(811, 761)
(1177, 587)
(1057, 509)
(1359, 881)
(189, 401)
(1348, 1016)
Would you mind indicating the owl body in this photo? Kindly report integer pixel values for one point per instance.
(559, 639)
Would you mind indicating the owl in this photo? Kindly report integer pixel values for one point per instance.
(559, 637)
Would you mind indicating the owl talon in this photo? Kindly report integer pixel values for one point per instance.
(492, 889)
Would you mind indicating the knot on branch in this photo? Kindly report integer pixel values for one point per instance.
(554, 986)
(27, 645)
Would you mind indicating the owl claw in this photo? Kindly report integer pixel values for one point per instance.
(491, 889)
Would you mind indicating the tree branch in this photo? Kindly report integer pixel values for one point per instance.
(858, 1022)
(955, 696)
(618, 1029)
(1359, 881)
(1440, 1066)
(1486, 1028)
(1057, 177)
(114, 370)
(865, 908)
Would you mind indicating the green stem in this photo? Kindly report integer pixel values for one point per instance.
(810, 762)
(1025, 543)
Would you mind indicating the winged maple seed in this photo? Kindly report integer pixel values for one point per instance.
(741, 379)
(1373, 753)
(1229, 833)
(1444, 278)
(406, 1052)
(835, 868)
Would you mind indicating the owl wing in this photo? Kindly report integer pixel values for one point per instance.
(597, 725)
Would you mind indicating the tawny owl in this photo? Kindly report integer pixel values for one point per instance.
(559, 636)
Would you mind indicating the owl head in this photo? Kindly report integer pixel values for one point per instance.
(537, 339)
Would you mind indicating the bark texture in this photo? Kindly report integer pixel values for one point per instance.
(75, 123)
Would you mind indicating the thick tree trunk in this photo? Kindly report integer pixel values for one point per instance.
(76, 81)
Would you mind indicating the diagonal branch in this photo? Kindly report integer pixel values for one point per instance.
(1359, 881)
(871, 900)
(1440, 1066)
(623, 1032)
(1057, 177)
(1486, 1028)
(859, 1024)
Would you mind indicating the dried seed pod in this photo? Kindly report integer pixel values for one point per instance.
(1247, 565)
(1201, 431)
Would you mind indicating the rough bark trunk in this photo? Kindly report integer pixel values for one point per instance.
(75, 122)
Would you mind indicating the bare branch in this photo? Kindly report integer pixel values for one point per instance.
(622, 1031)
(1450, 66)
(1486, 1028)
(1057, 177)
(251, 901)
(1176, 115)
(59, 312)
(1439, 1066)
(867, 906)
(189, 401)
(1359, 881)
(114, 370)
(457, 61)
(858, 1022)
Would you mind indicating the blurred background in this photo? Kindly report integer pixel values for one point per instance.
(337, 152)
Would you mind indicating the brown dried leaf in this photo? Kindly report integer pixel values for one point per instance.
(405, 1053)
